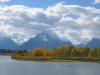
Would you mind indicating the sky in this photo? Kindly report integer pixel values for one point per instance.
(75, 20)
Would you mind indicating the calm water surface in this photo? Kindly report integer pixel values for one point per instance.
(16, 67)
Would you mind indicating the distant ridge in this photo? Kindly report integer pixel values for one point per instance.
(94, 43)
(45, 39)
(7, 43)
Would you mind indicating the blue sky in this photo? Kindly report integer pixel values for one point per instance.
(45, 3)
(74, 20)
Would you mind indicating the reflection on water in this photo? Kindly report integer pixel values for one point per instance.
(15, 67)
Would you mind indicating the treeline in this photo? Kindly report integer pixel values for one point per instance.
(5, 51)
(64, 52)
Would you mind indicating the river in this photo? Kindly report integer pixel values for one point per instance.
(9, 66)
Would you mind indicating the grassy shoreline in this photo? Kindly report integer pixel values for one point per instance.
(49, 59)
(58, 60)
(60, 54)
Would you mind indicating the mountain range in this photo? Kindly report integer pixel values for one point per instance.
(94, 43)
(7, 43)
(45, 39)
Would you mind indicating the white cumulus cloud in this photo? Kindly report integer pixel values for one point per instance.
(4, 1)
(97, 1)
(71, 22)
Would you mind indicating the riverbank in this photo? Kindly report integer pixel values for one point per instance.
(61, 54)
(56, 59)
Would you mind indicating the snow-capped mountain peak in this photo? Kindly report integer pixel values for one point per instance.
(45, 35)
